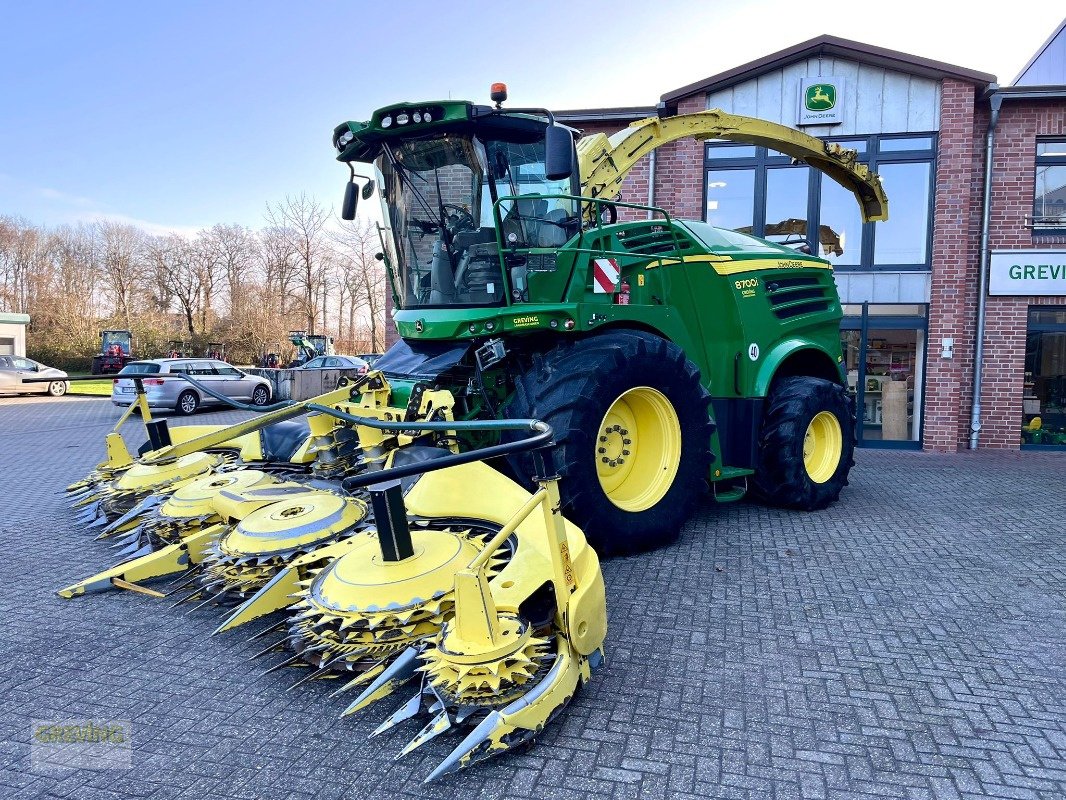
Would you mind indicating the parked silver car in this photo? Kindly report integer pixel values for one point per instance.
(182, 396)
(14, 368)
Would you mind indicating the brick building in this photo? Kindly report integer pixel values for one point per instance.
(912, 287)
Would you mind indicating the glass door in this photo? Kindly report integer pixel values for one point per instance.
(884, 357)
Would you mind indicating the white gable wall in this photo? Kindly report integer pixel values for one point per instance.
(875, 100)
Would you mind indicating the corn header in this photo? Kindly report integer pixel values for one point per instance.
(382, 556)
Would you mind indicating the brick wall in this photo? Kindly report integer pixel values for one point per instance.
(956, 244)
(1014, 170)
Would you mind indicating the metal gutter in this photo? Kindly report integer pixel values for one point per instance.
(995, 99)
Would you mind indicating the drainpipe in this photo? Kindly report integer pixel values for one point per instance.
(995, 101)
(651, 182)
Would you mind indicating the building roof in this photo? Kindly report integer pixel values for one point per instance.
(624, 114)
(834, 46)
(1047, 67)
(14, 319)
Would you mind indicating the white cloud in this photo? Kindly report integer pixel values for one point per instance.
(152, 228)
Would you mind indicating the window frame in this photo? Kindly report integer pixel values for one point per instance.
(1040, 228)
(870, 154)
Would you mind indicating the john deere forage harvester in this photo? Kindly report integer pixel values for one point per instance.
(660, 355)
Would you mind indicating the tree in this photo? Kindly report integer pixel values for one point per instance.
(301, 222)
(121, 254)
(363, 277)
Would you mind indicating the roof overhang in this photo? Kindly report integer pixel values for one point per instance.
(1032, 92)
(835, 47)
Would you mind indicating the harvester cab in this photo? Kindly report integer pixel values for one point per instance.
(215, 350)
(665, 353)
(116, 350)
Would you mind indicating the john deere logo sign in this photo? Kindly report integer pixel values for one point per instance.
(819, 101)
(821, 97)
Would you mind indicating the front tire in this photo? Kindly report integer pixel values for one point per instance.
(807, 444)
(187, 403)
(57, 388)
(632, 435)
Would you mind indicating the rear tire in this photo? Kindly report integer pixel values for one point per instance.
(260, 396)
(634, 399)
(187, 403)
(807, 444)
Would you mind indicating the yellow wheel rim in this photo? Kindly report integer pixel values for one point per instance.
(822, 446)
(638, 448)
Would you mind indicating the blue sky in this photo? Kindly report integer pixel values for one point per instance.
(184, 114)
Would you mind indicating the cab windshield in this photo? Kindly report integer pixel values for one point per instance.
(440, 193)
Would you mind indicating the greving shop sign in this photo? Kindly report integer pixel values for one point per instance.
(1027, 272)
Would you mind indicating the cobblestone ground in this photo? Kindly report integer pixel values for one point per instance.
(910, 642)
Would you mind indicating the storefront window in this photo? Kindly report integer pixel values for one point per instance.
(841, 219)
(904, 237)
(783, 199)
(1044, 389)
(1049, 198)
(786, 205)
(730, 197)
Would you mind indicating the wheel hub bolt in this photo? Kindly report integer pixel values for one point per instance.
(601, 450)
(625, 452)
(627, 441)
(605, 460)
(603, 438)
(613, 463)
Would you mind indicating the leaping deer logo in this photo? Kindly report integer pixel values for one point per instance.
(821, 97)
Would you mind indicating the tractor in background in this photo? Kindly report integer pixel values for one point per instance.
(310, 346)
(178, 348)
(215, 350)
(116, 351)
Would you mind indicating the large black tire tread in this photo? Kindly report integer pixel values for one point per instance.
(571, 387)
(781, 477)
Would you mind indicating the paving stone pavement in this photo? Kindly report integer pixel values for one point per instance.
(910, 642)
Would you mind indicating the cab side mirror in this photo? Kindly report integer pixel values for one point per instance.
(558, 153)
(351, 201)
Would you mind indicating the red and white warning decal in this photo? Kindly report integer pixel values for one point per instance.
(604, 276)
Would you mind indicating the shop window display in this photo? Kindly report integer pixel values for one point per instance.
(1044, 389)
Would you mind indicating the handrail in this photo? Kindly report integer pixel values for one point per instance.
(542, 436)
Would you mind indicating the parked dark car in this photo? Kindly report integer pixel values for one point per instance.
(337, 362)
